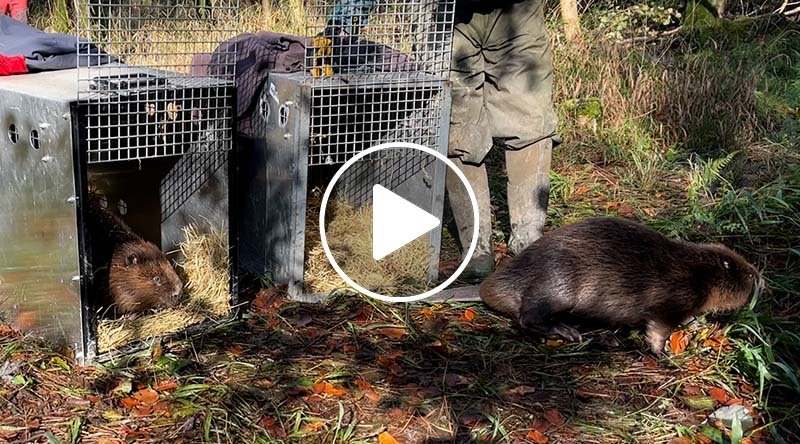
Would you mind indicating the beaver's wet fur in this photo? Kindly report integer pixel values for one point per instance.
(130, 274)
(617, 273)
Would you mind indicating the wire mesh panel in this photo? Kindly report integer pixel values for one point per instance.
(154, 98)
(377, 70)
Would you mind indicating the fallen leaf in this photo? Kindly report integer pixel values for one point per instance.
(390, 364)
(397, 414)
(129, 402)
(273, 427)
(427, 313)
(372, 396)
(554, 417)
(387, 438)
(554, 342)
(235, 350)
(583, 189)
(735, 401)
(680, 440)
(626, 210)
(146, 396)
(678, 341)
(328, 389)
(94, 399)
(362, 383)
(719, 395)
(161, 408)
(6, 330)
(165, 386)
(469, 315)
(268, 300)
(107, 440)
(349, 348)
(537, 437)
(650, 363)
(649, 211)
(691, 390)
(517, 392)
(703, 439)
(313, 426)
(392, 332)
(142, 410)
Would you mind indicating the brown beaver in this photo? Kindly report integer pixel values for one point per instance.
(130, 274)
(617, 273)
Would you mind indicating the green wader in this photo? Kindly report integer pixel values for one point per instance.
(502, 95)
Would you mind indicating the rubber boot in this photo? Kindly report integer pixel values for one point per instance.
(482, 261)
(528, 192)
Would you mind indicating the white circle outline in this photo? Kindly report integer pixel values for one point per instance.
(473, 244)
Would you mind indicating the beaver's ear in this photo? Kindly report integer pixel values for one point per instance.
(132, 259)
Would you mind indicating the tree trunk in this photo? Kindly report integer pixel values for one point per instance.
(572, 22)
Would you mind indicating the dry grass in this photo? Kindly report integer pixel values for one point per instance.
(206, 273)
(349, 232)
(697, 103)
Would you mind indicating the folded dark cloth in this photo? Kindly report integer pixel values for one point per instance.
(45, 51)
(254, 56)
(10, 65)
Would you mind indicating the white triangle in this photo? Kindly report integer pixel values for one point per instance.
(396, 222)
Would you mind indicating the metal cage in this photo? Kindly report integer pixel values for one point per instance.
(134, 120)
(384, 81)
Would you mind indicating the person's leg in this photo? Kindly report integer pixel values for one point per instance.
(482, 261)
(528, 192)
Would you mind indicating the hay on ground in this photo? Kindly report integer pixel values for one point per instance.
(206, 274)
(349, 231)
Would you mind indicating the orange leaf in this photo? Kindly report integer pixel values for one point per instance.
(678, 342)
(427, 312)
(703, 439)
(129, 402)
(469, 315)
(142, 410)
(554, 342)
(649, 211)
(554, 417)
(6, 330)
(166, 385)
(363, 384)
(372, 396)
(719, 395)
(161, 408)
(393, 333)
(537, 437)
(386, 438)
(328, 389)
(146, 396)
(313, 426)
(680, 440)
(734, 401)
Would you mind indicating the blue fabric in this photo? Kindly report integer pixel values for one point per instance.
(44, 51)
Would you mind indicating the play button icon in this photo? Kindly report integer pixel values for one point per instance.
(388, 201)
(396, 222)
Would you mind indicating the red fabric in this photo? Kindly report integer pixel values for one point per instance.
(17, 9)
(12, 65)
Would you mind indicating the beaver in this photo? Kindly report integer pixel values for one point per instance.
(130, 274)
(617, 273)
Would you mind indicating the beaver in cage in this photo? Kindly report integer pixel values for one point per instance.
(130, 274)
(617, 273)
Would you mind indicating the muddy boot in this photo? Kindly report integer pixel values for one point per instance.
(528, 192)
(482, 261)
